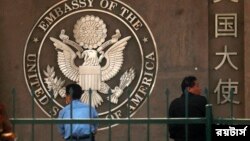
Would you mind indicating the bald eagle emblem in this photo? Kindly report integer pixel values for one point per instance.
(91, 48)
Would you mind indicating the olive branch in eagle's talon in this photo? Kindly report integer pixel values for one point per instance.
(54, 83)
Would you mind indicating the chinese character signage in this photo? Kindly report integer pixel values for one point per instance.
(226, 55)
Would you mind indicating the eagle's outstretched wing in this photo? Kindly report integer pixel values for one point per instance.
(65, 59)
(114, 57)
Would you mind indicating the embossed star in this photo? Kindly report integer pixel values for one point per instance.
(35, 40)
(145, 39)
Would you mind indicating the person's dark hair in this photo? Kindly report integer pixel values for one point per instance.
(188, 81)
(75, 90)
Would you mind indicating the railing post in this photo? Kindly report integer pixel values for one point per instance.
(167, 103)
(110, 131)
(90, 111)
(206, 91)
(33, 115)
(209, 119)
(71, 112)
(186, 113)
(51, 116)
(14, 106)
(148, 117)
(128, 112)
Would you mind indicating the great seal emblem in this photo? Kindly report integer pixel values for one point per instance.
(104, 46)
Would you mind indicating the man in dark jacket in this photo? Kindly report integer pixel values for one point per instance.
(195, 108)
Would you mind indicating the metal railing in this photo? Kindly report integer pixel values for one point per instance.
(208, 120)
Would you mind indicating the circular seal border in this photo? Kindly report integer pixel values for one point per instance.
(29, 40)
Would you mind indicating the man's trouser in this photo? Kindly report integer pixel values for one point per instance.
(82, 138)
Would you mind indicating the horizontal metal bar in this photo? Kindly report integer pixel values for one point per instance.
(230, 121)
(110, 121)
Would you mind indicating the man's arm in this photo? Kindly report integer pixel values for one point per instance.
(61, 126)
(173, 129)
(204, 103)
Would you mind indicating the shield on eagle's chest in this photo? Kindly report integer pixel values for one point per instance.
(90, 77)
